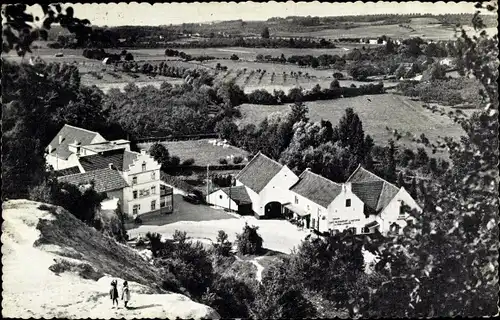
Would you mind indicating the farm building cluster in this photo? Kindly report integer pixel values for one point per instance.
(82, 157)
(363, 204)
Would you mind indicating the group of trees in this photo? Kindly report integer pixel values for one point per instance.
(262, 96)
(255, 42)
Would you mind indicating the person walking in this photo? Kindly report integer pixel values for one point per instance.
(114, 293)
(125, 293)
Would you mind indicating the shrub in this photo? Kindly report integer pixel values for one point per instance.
(234, 57)
(222, 247)
(222, 161)
(237, 159)
(249, 241)
(230, 297)
(188, 162)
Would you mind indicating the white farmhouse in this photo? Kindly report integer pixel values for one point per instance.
(267, 183)
(63, 150)
(363, 204)
(131, 177)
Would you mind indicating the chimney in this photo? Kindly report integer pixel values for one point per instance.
(60, 138)
(50, 149)
(347, 187)
(143, 151)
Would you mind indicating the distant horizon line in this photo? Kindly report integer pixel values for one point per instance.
(288, 17)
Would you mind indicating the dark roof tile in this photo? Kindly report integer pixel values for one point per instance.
(104, 179)
(316, 188)
(258, 172)
(67, 171)
(374, 191)
(121, 160)
(239, 194)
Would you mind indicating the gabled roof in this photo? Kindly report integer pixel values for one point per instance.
(238, 194)
(104, 179)
(258, 172)
(375, 192)
(69, 135)
(316, 188)
(67, 171)
(121, 160)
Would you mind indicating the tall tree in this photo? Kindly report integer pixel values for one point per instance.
(265, 33)
(390, 162)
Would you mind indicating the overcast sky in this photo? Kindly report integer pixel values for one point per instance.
(176, 13)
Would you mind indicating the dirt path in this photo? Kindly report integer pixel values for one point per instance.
(260, 268)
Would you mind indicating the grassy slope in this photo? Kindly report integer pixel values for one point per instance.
(393, 111)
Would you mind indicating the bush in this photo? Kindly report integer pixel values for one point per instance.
(249, 241)
(222, 247)
(234, 57)
(188, 162)
(230, 297)
(237, 159)
(261, 96)
(223, 161)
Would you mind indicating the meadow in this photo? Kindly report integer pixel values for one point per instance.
(204, 152)
(380, 114)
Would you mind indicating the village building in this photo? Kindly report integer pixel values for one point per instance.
(233, 198)
(267, 184)
(365, 203)
(131, 177)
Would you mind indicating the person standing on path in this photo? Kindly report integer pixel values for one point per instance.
(114, 293)
(125, 293)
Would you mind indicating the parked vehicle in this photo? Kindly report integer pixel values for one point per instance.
(59, 54)
(194, 197)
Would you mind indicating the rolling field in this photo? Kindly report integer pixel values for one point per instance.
(387, 110)
(250, 79)
(201, 150)
(426, 28)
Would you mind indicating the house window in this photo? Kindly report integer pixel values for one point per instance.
(352, 230)
(313, 222)
(144, 166)
(347, 202)
(409, 222)
(153, 190)
(134, 194)
(136, 209)
(153, 205)
(134, 180)
(153, 177)
(220, 196)
(296, 200)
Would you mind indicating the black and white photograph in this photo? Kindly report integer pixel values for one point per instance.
(250, 160)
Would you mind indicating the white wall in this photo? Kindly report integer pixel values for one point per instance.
(391, 212)
(144, 182)
(342, 217)
(277, 189)
(97, 139)
(59, 164)
(316, 211)
(220, 199)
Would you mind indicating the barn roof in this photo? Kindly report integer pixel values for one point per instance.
(375, 192)
(238, 194)
(104, 179)
(258, 172)
(69, 135)
(316, 188)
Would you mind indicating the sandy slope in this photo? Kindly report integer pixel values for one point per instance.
(31, 289)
